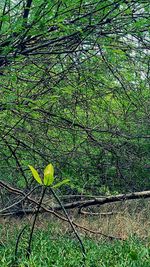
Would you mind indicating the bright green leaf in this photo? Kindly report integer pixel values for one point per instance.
(49, 175)
(35, 174)
(65, 181)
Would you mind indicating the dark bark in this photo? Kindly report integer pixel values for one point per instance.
(86, 203)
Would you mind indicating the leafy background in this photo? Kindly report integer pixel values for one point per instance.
(74, 78)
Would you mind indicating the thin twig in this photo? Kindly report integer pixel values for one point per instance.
(70, 222)
(33, 225)
(17, 242)
(19, 201)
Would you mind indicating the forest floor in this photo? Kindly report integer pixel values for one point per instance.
(54, 243)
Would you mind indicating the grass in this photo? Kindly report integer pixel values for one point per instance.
(64, 252)
(54, 244)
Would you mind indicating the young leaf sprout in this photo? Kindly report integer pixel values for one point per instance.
(48, 181)
(48, 177)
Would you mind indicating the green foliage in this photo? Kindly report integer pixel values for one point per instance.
(47, 181)
(48, 176)
(35, 175)
(74, 78)
(62, 251)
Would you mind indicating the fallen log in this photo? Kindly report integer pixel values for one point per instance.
(105, 200)
(116, 198)
(56, 214)
(85, 203)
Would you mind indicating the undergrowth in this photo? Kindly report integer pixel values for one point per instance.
(52, 249)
